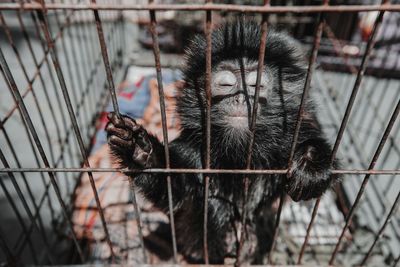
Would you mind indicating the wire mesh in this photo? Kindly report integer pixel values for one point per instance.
(59, 61)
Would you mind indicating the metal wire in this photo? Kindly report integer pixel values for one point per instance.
(156, 51)
(252, 126)
(196, 171)
(81, 91)
(208, 33)
(207, 7)
(45, 29)
(366, 179)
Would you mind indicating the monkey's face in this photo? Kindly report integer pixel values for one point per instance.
(233, 88)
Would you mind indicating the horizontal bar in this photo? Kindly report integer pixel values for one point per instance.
(205, 7)
(198, 171)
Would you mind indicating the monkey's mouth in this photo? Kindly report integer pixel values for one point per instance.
(239, 114)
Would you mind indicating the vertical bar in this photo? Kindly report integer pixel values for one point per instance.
(45, 89)
(208, 32)
(312, 60)
(366, 179)
(252, 125)
(105, 101)
(50, 42)
(53, 82)
(156, 51)
(106, 60)
(77, 86)
(360, 74)
(116, 109)
(138, 219)
(382, 229)
(21, 105)
(356, 87)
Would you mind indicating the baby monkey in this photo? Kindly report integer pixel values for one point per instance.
(235, 48)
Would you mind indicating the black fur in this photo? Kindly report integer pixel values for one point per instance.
(311, 175)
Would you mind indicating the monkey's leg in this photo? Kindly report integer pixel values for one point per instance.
(264, 227)
(310, 171)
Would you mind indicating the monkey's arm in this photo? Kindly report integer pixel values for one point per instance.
(310, 173)
(134, 148)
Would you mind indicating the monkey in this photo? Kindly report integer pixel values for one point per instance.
(235, 49)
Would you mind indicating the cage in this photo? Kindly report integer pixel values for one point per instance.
(66, 64)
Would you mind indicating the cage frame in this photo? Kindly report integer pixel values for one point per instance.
(49, 49)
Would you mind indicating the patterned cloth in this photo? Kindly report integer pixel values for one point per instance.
(137, 98)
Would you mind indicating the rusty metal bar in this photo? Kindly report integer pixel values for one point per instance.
(138, 218)
(312, 61)
(207, 160)
(252, 125)
(359, 151)
(106, 61)
(156, 51)
(207, 7)
(382, 229)
(90, 50)
(276, 227)
(357, 83)
(45, 89)
(196, 171)
(65, 141)
(46, 50)
(366, 179)
(21, 105)
(74, 82)
(50, 42)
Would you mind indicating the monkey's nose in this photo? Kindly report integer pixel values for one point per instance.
(240, 99)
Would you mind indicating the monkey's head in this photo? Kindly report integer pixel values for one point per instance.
(235, 49)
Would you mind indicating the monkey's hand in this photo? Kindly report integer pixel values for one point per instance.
(128, 141)
(310, 173)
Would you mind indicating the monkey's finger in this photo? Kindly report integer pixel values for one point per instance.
(142, 139)
(119, 144)
(115, 119)
(130, 123)
(120, 132)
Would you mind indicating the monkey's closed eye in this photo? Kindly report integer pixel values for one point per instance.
(254, 85)
(225, 79)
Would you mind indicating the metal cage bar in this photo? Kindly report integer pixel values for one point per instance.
(46, 31)
(79, 104)
(156, 52)
(205, 7)
(366, 178)
(207, 154)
